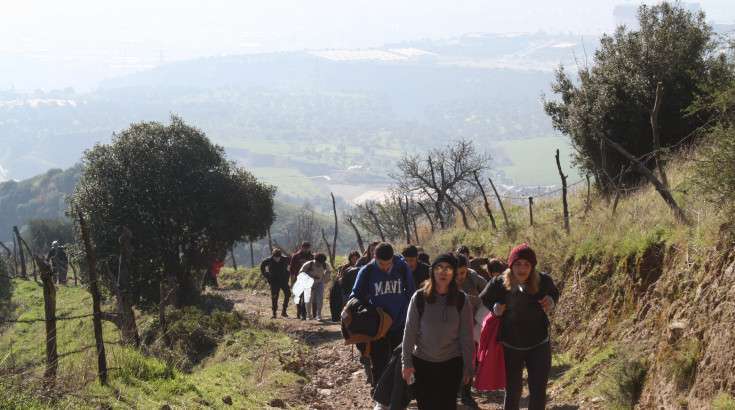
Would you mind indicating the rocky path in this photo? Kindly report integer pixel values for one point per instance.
(336, 377)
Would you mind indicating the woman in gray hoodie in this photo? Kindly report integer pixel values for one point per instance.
(437, 342)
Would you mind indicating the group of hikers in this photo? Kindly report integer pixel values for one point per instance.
(430, 330)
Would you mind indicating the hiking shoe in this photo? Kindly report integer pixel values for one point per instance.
(274, 315)
(284, 314)
(470, 402)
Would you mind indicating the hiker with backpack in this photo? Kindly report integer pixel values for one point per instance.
(438, 350)
(275, 271)
(387, 284)
(522, 297)
(419, 269)
(319, 270)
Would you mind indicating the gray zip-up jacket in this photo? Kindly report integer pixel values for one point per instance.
(440, 334)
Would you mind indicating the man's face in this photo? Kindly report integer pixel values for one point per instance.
(412, 261)
(306, 249)
(277, 258)
(384, 265)
(461, 275)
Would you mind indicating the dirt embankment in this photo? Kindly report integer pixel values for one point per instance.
(670, 311)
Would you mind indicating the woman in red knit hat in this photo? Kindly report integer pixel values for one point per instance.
(523, 297)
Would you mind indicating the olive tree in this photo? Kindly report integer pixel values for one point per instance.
(182, 202)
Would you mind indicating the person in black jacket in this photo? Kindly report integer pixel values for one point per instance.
(523, 297)
(275, 270)
(419, 269)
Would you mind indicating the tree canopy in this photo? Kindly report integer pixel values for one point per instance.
(184, 203)
(615, 96)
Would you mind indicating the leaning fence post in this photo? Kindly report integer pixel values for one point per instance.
(563, 192)
(94, 290)
(21, 254)
(530, 208)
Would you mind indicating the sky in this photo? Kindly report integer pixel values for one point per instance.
(77, 43)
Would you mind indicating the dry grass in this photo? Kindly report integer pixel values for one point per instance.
(641, 219)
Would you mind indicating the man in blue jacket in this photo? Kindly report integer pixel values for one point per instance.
(386, 282)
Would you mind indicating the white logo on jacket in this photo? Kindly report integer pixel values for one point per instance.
(388, 287)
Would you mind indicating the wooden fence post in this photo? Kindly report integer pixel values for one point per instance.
(530, 208)
(49, 307)
(21, 254)
(563, 192)
(500, 202)
(15, 256)
(360, 244)
(333, 252)
(94, 290)
(232, 253)
(487, 203)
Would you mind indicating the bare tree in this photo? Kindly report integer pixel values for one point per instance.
(439, 173)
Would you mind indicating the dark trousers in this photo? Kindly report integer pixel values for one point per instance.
(538, 363)
(301, 308)
(437, 384)
(276, 289)
(380, 352)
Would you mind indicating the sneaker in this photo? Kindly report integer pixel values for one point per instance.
(379, 406)
(284, 314)
(274, 315)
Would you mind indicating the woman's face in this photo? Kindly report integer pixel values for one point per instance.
(353, 259)
(461, 275)
(522, 269)
(443, 274)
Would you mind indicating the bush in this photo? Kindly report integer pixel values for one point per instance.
(624, 381)
(191, 335)
(134, 365)
(714, 178)
(683, 362)
(723, 401)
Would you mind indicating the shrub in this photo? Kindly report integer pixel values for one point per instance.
(683, 362)
(723, 401)
(623, 383)
(191, 335)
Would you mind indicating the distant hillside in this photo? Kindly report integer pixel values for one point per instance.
(293, 117)
(41, 197)
(44, 197)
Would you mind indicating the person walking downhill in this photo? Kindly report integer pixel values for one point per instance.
(472, 284)
(319, 270)
(438, 350)
(419, 269)
(275, 271)
(59, 262)
(298, 259)
(386, 282)
(522, 297)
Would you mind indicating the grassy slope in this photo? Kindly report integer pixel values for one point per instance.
(237, 367)
(607, 249)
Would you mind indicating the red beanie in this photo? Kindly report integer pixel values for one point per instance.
(522, 251)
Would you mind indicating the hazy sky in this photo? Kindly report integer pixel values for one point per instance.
(78, 42)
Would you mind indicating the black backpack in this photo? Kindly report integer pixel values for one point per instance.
(421, 302)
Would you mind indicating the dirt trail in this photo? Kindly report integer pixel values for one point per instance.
(337, 379)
